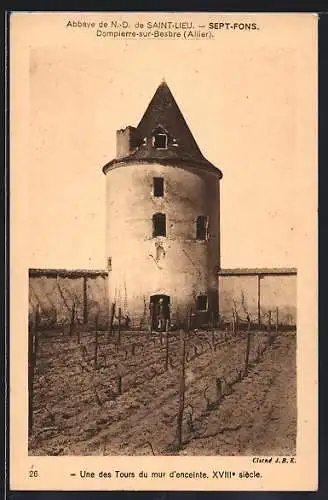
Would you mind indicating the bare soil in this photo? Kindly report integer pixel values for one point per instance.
(125, 402)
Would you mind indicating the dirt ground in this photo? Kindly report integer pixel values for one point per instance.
(259, 416)
(78, 408)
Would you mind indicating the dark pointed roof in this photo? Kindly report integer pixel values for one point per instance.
(163, 112)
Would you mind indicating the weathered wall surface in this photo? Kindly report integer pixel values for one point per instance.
(57, 295)
(241, 292)
(231, 291)
(176, 265)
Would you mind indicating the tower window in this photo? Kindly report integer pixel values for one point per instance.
(158, 187)
(201, 303)
(160, 141)
(202, 227)
(159, 225)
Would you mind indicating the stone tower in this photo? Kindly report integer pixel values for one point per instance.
(163, 219)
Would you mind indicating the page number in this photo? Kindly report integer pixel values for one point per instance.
(33, 473)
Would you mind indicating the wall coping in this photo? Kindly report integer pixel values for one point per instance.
(92, 273)
(67, 273)
(261, 271)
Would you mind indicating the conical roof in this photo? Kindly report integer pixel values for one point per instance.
(164, 114)
(164, 111)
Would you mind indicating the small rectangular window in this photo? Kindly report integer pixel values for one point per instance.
(202, 227)
(159, 225)
(158, 187)
(201, 303)
(160, 141)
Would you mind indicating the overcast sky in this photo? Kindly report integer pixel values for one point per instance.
(248, 100)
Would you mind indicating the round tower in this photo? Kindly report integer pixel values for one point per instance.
(163, 219)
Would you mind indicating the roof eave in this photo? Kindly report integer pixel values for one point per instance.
(202, 165)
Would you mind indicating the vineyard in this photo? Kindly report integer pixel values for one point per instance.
(214, 391)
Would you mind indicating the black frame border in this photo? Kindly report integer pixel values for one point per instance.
(320, 8)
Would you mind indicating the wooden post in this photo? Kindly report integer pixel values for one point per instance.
(32, 352)
(212, 321)
(190, 320)
(269, 321)
(181, 390)
(119, 326)
(259, 300)
(72, 323)
(219, 391)
(31, 366)
(151, 310)
(78, 332)
(36, 329)
(167, 345)
(111, 321)
(85, 300)
(96, 345)
(277, 320)
(119, 385)
(233, 322)
(248, 346)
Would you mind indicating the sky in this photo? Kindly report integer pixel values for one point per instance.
(247, 98)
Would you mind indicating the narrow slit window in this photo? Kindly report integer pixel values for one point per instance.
(202, 303)
(158, 187)
(159, 225)
(160, 141)
(202, 228)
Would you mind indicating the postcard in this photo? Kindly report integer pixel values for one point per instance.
(163, 251)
